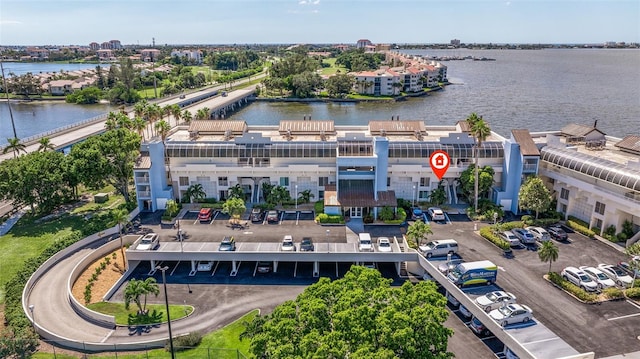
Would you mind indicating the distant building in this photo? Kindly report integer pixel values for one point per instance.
(115, 44)
(455, 42)
(60, 87)
(362, 43)
(342, 47)
(150, 55)
(191, 55)
(105, 45)
(37, 53)
(105, 55)
(383, 47)
(381, 82)
(94, 46)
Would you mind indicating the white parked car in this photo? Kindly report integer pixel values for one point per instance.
(436, 214)
(384, 245)
(148, 242)
(495, 300)
(287, 244)
(465, 312)
(510, 237)
(579, 278)
(524, 236)
(599, 277)
(618, 275)
(512, 313)
(539, 233)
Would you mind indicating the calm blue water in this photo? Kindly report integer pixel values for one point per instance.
(539, 90)
(21, 68)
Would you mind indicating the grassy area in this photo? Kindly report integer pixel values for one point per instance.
(27, 240)
(29, 237)
(369, 97)
(157, 312)
(210, 347)
(333, 69)
(149, 93)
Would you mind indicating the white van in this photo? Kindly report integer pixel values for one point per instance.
(364, 243)
(440, 247)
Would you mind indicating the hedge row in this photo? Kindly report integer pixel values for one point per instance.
(14, 315)
(572, 288)
(487, 232)
(580, 226)
(326, 218)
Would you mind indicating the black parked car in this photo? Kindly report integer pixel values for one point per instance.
(557, 233)
(257, 215)
(306, 245)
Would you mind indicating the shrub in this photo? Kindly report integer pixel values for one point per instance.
(487, 232)
(325, 218)
(107, 260)
(367, 219)
(580, 227)
(185, 342)
(613, 293)
(572, 288)
(633, 293)
(527, 219)
(319, 206)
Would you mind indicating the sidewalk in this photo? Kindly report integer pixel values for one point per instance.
(9, 223)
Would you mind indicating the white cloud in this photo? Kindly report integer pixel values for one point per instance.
(9, 22)
(302, 2)
(316, 2)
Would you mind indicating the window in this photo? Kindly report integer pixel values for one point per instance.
(388, 181)
(223, 181)
(284, 181)
(564, 193)
(323, 181)
(598, 224)
(563, 208)
(320, 194)
(423, 195)
(425, 181)
(184, 181)
(600, 208)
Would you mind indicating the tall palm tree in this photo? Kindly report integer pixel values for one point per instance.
(154, 113)
(139, 108)
(162, 129)
(149, 286)
(45, 144)
(480, 130)
(121, 217)
(548, 252)
(139, 124)
(167, 111)
(112, 121)
(176, 111)
(187, 116)
(16, 146)
(123, 121)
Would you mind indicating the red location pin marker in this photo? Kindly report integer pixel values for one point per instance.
(439, 161)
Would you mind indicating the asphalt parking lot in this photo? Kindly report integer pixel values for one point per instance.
(607, 329)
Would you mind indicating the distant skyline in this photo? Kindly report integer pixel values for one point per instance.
(80, 22)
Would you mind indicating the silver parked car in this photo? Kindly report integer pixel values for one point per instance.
(601, 279)
(539, 233)
(495, 300)
(524, 235)
(512, 313)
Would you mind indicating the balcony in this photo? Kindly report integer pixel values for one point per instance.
(529, 168)
(144, 194)
(142, 179)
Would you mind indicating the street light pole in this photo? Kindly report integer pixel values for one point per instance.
(414, 196)
(296, 195)
(166, 303)
(33, 317)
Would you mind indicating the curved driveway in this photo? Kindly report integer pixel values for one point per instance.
(215, 306)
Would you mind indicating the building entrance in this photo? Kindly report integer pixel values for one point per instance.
(355, 212)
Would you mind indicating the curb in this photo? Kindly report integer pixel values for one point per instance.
(546, 277)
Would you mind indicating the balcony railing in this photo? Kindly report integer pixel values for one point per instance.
(144, 194)
(142, 179)
(529, 167)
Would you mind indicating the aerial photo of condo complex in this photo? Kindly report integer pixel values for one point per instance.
(271, 183)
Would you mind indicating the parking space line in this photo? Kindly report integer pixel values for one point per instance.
(624, 316)
(174, 268)
(215, 268)
(295, 270)
(632, 303)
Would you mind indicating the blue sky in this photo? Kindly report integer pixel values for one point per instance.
(64, 22)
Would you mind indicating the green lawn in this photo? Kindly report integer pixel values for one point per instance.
(333, 68)
(122, 315)
(210, 347)
(27, 240)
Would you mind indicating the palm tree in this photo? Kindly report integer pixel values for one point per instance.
(139, 124)
(187, 116)
(112, 121)
(548, 252)
(305, 196)
(45, 144)
(14, 145)
(418, 231)
(154, 113)
(123, 121)
(202, 114)
(480, 130)
(195, 192)
(132, 293)
(121, 217)
(176, 111)
(149, 286)
(167, 111)
(162, 129)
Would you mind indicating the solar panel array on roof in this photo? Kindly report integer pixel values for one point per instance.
(425, 149)
(596, 167)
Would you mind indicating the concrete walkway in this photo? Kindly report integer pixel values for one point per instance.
(6, 226)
